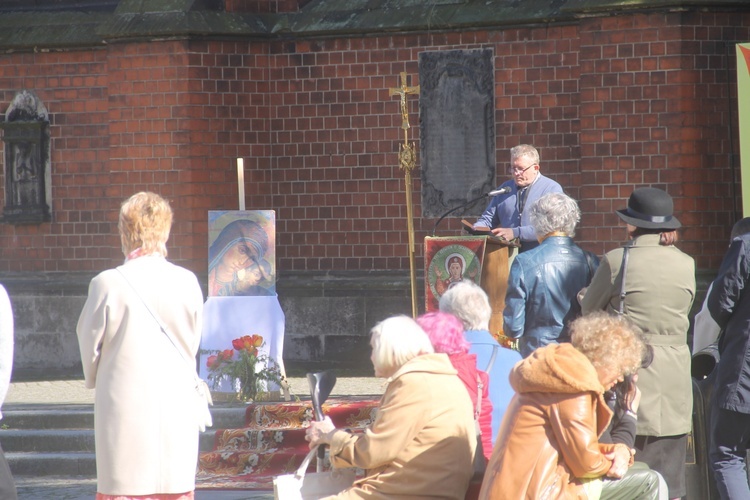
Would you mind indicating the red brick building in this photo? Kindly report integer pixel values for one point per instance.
(147, 95)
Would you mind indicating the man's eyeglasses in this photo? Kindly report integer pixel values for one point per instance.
(516, 170)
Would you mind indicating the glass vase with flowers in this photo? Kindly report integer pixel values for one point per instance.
(245, 365)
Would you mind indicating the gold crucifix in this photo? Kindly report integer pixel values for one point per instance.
(407, 160)
(403, 91)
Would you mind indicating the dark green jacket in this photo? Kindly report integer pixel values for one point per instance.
(660, 288)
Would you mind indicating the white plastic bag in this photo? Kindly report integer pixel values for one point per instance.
(313, 485)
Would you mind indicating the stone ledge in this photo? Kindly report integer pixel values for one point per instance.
(40, 28)
(288, 283)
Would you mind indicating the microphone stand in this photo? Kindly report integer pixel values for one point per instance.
(446, 214)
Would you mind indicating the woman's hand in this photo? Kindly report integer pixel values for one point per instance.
(620, 457)
(320, 432)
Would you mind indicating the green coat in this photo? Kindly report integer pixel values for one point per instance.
(660, 288)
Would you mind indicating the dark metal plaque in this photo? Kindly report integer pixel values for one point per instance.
(457, 129)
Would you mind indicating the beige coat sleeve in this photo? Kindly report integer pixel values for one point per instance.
(90, 330)
(400, 417)
(599, 292)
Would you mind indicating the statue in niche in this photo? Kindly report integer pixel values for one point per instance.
(27, 161)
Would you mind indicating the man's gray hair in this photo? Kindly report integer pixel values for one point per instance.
(469, 303)
(525, 150)
(554, 212)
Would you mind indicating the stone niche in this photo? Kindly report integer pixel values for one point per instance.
(27, 161)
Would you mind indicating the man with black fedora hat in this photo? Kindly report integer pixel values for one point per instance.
(652, 282)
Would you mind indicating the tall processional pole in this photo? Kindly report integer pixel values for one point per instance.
(407, 158)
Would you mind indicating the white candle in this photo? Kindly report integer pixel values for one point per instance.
(241, 181)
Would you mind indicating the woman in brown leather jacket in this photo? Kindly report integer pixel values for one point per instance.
(548, 443)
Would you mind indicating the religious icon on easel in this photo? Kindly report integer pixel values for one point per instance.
(241, 253)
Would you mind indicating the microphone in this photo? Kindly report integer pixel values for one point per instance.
(496, 192)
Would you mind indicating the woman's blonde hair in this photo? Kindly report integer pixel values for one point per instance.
(145, 221)
(609, 341)
(395, 341)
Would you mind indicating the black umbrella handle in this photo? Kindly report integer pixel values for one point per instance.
(321, 385)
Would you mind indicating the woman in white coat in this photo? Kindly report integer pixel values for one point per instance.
(145, 424)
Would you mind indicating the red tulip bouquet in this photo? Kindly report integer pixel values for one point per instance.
(244, 363)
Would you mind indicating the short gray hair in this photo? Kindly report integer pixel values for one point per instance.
(524, 150)
(554, 212)
(469, 303)
(395, 341)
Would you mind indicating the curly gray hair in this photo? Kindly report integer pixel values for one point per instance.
(554, 212)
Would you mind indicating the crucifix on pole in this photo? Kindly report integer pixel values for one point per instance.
(407, 159)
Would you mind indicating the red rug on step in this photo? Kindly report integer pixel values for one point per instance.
(273, 442)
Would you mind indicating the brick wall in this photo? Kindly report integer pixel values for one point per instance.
(612, 103)
(73, 87)
(655, 110)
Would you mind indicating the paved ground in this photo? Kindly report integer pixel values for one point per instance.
(66, 392)
(61, 488)
(74, 392)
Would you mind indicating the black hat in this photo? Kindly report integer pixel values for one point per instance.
(650, 208)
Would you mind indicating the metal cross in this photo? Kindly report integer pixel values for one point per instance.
(403, 91)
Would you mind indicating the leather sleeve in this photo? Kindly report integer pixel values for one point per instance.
(514, 313)
(574, 424)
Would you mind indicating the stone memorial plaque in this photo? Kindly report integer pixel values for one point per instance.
(457, 130)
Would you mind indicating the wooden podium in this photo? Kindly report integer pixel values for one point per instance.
(485, 260)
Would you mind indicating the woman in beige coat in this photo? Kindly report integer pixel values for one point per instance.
(422, 441)
(146, 429)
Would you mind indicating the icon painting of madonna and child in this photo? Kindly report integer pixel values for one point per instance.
(241, 253)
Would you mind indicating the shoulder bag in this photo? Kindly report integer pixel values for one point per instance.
(314, 485)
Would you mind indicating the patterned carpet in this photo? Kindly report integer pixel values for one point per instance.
(273, 442)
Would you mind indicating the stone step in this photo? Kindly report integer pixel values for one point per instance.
(63, 440)
(59, 440)
(52, 464)
(53, 440)
(82, 417)
(66, 417)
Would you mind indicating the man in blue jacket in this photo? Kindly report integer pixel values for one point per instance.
(541, 299)
(506, 214)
